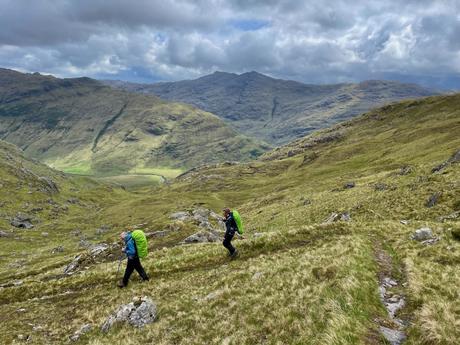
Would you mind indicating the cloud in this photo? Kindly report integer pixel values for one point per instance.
(177, 39)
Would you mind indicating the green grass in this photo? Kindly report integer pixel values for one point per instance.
(317, 282)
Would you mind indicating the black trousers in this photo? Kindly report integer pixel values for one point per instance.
(134, 264)
(228, 242)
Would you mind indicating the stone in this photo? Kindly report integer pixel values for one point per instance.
(345, 217)
(259, 234)
(389, 282)
(4, 234)
(22, 220)
(49, 185)
(257, 276)
(182, 216)
(58, 249)
(72, 266)
(349, 185)
(73, 201)
(433, 199)
(431, 241)
(45, 234)
(203, 237)
(393, 336)
(405, 170)
(213, 295)
(451, 216)
(404, 222)
(98, 249)
(332, 218)
(455, 158)
(84, 329)
(137, 315)
(381, 187)
(422, 234)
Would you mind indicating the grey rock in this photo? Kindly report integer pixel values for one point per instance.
(451, 216)
(203, 237)
(405, 170)
(213, 295)
(332, 218)
(98, 249)
(45, 234)
(404, 222)
(349, 185)
(73, 266)
(102, 230)
(455, 158)
(422, 234)
(394, 307)
(345, 217)
(257, 276)
(182, 216)
(58, 249)
(48, 185)
(259, 234)
(433, 199)
(22, 220)
(389, 282)
(84, 243)
(4, 234)
(431, 241)
(137, 313)
(394, 337)
(84, 329)
(73, 201)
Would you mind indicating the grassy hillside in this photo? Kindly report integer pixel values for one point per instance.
(302, 277)
(82, 127)
(278, 111)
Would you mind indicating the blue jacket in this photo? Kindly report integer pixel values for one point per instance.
(130, 246)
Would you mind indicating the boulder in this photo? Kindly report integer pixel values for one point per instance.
(182, 216)
(433, 199)
(203, 237)
(48, 185)
(393, 336)
(58, 249)
(138, 313)
(22, 220)
(422, 234)
(349, 185)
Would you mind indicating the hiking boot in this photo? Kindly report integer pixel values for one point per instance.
(234, 255)
(121, 284)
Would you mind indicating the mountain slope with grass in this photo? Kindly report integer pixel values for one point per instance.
(327, 258)
(82, 126)
(274, 110)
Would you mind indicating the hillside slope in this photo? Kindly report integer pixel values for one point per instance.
(82, 126)
(274, 110)
(327, 247)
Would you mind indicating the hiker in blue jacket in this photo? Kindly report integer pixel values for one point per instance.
(133, 259)
(231, 228)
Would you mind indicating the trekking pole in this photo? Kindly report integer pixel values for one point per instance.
(119, 264)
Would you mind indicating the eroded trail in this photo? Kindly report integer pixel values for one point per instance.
(392, 295)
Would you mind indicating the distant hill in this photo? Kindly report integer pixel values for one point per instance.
(82, 126)
(275, 110)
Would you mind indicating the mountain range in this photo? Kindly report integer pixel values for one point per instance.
(82, 126)
(274, 110)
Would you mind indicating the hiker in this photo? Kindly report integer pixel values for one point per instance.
(134, 262)
(231, 228)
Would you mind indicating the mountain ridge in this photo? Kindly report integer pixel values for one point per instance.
(83, 126)
(276, 110)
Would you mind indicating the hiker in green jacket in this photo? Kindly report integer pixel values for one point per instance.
(130, 249)
(231, 228)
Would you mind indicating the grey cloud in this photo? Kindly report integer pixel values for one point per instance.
(311, 41)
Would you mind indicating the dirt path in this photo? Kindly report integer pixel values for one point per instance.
(392, 295)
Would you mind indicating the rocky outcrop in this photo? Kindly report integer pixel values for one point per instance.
(455, 158)
(138, 313)
(83, 330)
(203, 237)
(335, 217)
(22, 220)
(97, 253)
(433, 199)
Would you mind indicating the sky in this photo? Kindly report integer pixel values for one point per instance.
(311, 41)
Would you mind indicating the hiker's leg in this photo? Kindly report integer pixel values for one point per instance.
(129, 269)
(228, 242)
(140, 269)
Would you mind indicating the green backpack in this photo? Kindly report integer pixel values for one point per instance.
(141, 243)
(238, 221)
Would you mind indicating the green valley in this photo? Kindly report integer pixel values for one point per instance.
(329, 245)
